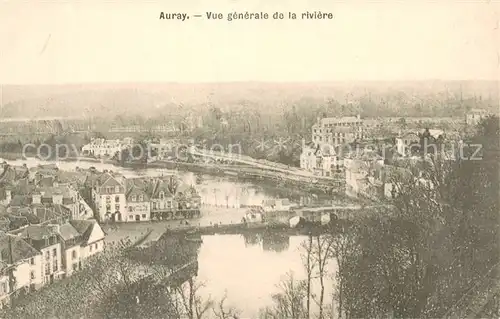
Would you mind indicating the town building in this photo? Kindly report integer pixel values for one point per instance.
(187, 202)
(337, 130)
(138, 202)
(108, 196)
(407, 143)
(71, 248)
(474, 116)
(91, 238)
(45, 239)
(412, 142)
(100, 147)
(20, 268)
(321, 160)
(36, 255)
(164, 148)
(162, 199)
(363, 177)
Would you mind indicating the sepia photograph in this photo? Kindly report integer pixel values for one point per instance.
(247, 159)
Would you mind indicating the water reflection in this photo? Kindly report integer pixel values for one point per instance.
(251, 239)
(276, 242)
(241, 268)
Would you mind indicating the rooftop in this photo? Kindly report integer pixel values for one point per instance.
(13, 249)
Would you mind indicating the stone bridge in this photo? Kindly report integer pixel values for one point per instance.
(262, 164)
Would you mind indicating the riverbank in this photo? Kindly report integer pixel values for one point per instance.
(240, 172)
(243, 229)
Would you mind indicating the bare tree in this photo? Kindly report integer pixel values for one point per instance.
(289, 302)
(223, 312)
(309, 265)
(323, 253)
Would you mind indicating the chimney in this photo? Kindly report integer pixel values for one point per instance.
(37, 198)
(8, 195)
(55, 227)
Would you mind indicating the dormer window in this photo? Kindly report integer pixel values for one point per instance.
(134, 198)
(141, 198)
(117, 189)
(162, 195)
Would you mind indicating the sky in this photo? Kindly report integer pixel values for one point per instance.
(43, 42)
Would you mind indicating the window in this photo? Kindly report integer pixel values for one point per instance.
(32, 261)
(141, 198)
(54, 252)
(117, 208)
(47, 255)
(73, 254)
(117, 190)
(96, 246)
(90, 248)
(47, 269)
(154, 205)
(131, 217)
(32, 275)
(4, 288)
(162, 195)
(143, 215)
(75, 267)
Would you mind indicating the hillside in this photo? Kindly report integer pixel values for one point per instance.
(150, 99)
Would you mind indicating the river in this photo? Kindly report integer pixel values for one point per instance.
(249, 270)
(246, 269)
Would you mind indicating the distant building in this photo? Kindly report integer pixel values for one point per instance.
(322, 160)
(337, 130)
(474, 116)
(100, 147)
(408, 142)
(412, 142)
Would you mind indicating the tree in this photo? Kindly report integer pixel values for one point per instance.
(289, 301)
(418, 258)
(309, 265)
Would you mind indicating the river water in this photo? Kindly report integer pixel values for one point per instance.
(249, 270)
(246, 269)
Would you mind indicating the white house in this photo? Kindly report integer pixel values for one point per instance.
(20, 267)
(108, 194)
(92, 237)
(45, 239)
(322, 160)
(475, 116)
(100, 147)
(138, 204)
